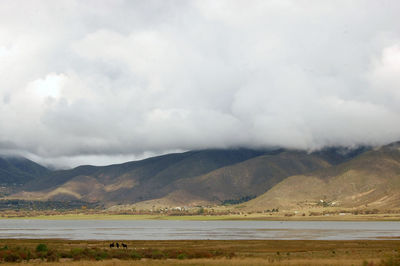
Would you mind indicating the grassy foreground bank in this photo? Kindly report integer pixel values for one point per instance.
(202, 252)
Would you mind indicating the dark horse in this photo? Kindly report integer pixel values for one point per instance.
(125, 246)
(112, 245)
(117, 245)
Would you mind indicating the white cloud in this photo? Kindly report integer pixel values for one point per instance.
(49, 87)
(385, 76)
(106, 81)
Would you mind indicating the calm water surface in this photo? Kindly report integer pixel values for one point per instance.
(167, 230)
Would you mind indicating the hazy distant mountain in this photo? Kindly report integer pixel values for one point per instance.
(183, 178)
(371, 179)
(18, 170)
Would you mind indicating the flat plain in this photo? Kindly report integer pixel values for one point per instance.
(254, 216)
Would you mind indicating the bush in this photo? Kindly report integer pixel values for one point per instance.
(158, 255)
(65, 254)
(153, 254)
(41, 248)
(77, 253)
(182, 256)
(12, 257)
(52, 256)
(101, 255)
(135, 255)
(121, 254)
(25, 254)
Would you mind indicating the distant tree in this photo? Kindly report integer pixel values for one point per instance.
(201, 210)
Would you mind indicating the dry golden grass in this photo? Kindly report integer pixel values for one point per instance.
(221, 262)
(247, 252)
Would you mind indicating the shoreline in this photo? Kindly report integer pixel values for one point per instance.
(336, 218)
(83, 216)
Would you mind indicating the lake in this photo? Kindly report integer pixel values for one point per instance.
(217, 230)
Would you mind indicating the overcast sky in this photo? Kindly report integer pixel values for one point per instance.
(109, 81)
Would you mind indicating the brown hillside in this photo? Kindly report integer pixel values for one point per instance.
(248, 178)
(190, 178)
(370, 180)
(252, 177)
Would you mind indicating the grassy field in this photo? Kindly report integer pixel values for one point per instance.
(215, 252)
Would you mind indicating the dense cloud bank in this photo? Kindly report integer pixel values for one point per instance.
(106, 81)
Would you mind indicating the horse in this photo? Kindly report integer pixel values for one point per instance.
(117, 245)
(112, 245)
(125, 246)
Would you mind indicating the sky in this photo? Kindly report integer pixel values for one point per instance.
(100, 82)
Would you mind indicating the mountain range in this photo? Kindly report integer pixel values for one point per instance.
(276, 178)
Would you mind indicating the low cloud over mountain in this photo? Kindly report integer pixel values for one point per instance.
(108, 81)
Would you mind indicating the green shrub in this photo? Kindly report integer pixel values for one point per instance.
(135, 255)
(65, 254)
(158, 255)
(41, 248)
(101, 255)
(77, 253)
(90, 253)
(153, 254)
(182, 256)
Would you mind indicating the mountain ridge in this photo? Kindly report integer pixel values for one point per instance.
(193, 177)
(281, 178)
